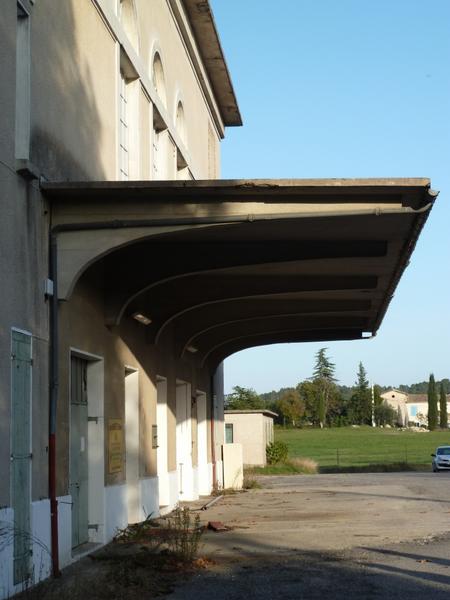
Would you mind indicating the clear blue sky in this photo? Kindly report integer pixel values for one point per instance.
(348, 88)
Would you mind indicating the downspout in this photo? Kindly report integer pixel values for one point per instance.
(54, 384)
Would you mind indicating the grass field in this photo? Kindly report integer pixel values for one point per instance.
(358, 447)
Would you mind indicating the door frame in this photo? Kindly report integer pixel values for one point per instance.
(96, 436)
(162, 451)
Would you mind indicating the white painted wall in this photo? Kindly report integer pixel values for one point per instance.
(116, 511)
(41, 544)
(233, 471)
(148, 494)
(204, 478)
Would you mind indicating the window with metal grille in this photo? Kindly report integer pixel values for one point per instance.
(124, 158)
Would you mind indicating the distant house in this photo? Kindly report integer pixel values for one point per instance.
(414, 407)
(398, 401)
(253, 429)
(418, 408)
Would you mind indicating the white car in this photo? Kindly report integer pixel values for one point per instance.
(441, 459)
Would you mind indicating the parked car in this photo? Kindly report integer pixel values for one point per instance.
(441, 459)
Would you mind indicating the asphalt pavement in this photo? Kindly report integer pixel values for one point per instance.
(383, 535)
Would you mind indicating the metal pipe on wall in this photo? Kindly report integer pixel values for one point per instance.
(54, 384)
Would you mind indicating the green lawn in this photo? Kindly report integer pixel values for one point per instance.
(354, 447)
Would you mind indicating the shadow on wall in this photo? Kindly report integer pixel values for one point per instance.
(66, 126)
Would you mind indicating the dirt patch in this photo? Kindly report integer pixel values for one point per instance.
(128, 576)
(145, 560)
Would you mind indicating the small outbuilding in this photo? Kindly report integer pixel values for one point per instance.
(253, 429)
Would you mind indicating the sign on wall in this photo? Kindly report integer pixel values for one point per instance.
(115, 445)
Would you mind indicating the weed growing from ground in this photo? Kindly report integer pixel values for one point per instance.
(185, 534)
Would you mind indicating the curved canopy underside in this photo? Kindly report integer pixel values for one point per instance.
(285, 262)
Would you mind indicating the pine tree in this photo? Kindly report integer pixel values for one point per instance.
(443, 416)
(323, 378)
(432, 404)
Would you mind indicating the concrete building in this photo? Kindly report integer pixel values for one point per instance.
(130, 272)
(413, 407)
(417, 406)
(253, 429)
(398, 401)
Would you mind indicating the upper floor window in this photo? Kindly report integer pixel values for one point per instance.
(158, 78)
(180, 123)
(124, 156)
(127, 16)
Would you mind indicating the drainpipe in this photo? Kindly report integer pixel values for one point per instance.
(54, 366)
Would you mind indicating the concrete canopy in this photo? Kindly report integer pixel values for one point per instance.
(220, 266)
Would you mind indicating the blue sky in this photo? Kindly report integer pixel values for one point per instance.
(348, 88)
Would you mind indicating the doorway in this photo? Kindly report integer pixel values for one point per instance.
(184, 440)
(79, 466)
(162, 449)
(204, 484)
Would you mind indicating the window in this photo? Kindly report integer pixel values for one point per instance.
(413, 410)
(181, 123)
(124, 162)
(127, 16)
(158, 78)
(229, 435)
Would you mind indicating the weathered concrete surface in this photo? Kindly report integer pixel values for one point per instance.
(331, 512)
(331, 536)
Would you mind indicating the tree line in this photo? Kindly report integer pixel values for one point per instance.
(321, 402)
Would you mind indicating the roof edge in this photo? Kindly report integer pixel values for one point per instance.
(206, 35)
(259, 411)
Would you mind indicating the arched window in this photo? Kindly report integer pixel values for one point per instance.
(127, 16)
(158, 78)
(180, 123)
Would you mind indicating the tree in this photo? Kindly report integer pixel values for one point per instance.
(323, 378)
(291, 407)
(308, 395)
(432, 404)
(384, 414)
(243, 398)
(443, 416)
(377, 399)
(361, 400)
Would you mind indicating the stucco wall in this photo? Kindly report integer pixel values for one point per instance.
(249, 430)
(83, 329)
(75, 75)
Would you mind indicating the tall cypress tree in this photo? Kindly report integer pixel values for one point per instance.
(360, 404)
(443, 416)
(432, 404)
